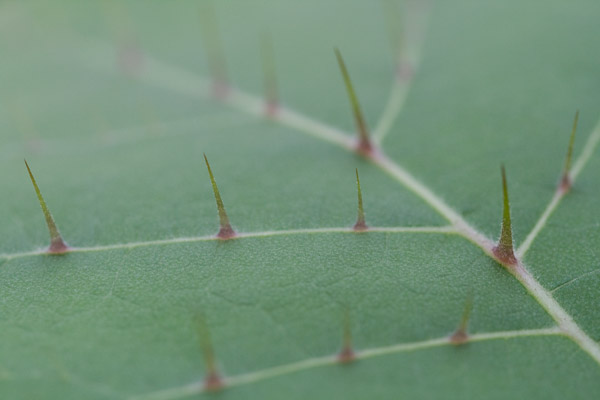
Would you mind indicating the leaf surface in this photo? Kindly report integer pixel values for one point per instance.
(110, 103)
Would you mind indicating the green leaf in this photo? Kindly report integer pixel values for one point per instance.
(112, 104)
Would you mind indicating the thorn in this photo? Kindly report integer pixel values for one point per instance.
(566, 182)
(270, 75)
(395, 23)
(212, 380)
(360, 225)
(364, 144)
(57, 244)
(225, 229)
(346, 354)
(214, 49)
(130, 58)
(504, 249)
(460, 336)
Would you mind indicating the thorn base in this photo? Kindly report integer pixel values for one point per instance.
(226, 232)
(565, 183)
(130, 59)
(360, 226)
(271, 108)
(213, 382)
(404, 71)
(220, 90)
(365, 148)
(346, 355)
(58, 246)
(459, 337)
(505, 255)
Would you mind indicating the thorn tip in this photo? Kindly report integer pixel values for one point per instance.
(214, 50)
(225, 229)
(504, 251)
(270, 75)
(212, 380)
(57, 244)
(364, 145)
(346, 354)
(566, 181)
(460, 336)
(360, 225)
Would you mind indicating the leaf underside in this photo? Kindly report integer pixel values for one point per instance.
(116, 147)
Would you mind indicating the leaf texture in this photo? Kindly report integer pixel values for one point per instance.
(113, 106)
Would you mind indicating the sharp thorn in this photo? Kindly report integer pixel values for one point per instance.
(212, 379)
(364, 145)
(270, 75)
(214, 49)
(57, 244)
(346, 354)
(130, 58)
(460, 336)
(504, 250)
(566, 181)
(394, 20)
(225, 229)
(360, 225)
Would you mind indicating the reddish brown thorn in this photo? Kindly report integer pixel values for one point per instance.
(460, 336)
(566, 181)
(364, 145)
(504, 249)
(360, 224)
(214, 49)
(225, 229)
(57, 244)
(130, 58)
(346, 354)
(213, 382)
(212, 379)
(404, 71)
(270, 75)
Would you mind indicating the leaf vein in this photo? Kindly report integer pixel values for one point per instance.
(331, 360)
(193, 239)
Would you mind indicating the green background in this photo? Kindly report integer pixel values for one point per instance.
(120, 161)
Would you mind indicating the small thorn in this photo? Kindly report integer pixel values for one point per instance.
(346, 354)
(130, 58)
(504, 249)
(57, 244)
(364, 145)
(270, 75)
(395, 23)
(213, 382)
(225, 229)
(360, 224)
(212, 379)
(460, 336)
(566, 181)
(214, 49)
(404, 71)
